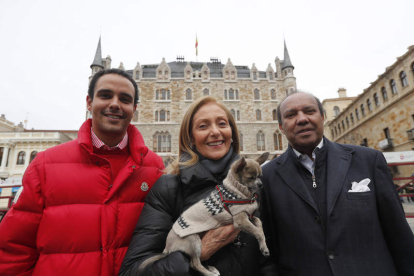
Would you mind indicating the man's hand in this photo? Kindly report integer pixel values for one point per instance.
(215, 239)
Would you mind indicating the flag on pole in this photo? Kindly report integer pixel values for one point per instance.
(196, 46)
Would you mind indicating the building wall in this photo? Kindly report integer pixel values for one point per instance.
(396, 113)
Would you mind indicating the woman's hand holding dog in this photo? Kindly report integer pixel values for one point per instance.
(215, 239)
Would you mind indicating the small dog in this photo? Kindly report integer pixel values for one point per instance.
(233, 202)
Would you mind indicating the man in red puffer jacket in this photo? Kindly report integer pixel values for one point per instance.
(81, 200)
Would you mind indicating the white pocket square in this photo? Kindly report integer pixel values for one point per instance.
(361, 186)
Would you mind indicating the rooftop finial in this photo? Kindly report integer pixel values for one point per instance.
(286, 61)
(97, 61)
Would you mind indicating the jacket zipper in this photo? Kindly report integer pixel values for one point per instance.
(317, 200)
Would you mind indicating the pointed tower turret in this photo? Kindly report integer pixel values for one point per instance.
(97, 64)
(286, 61)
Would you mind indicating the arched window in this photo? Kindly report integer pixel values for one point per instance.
(137, 75)
(168, 115)
(277, 140)
(233, 113)
(343, 125)
(225, 94)
(393, 87)
(384, 94)
(352, 118)
(336, 132)
(163, 94)
(332, 132)
(260, 138)
(362, 110)
(135, 118)
(188, 95)
(157, 95)
(231, 94)
(241, 141)
(376, 99)
(156, 115)
(357, 113)
(369, 105)
(33, 155)
(256, 94)
(162, 142)
(336, 111)
(347, 122)
(274, 114)
(254, 75)
(403, 78)
(237, 94)
(238, 115)
(339, 128)
(162, 116)
(258, 115)
(21, 158)
(168, 94)
(273, 94)
(205, 92)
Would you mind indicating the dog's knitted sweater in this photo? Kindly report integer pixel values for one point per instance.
(209, 213)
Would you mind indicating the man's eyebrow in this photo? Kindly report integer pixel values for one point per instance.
(104, 90)
(126, 95)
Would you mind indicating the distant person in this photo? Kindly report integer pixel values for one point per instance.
(82, 199)
(331, 209)
(208, 145)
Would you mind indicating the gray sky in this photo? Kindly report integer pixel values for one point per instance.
(47, 46)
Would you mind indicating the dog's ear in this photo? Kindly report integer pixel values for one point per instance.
(240, 164)
(262, 158)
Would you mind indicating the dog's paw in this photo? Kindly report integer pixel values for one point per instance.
(213, 269)
(266, 253)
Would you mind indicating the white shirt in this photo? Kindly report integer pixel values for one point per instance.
(306, 161)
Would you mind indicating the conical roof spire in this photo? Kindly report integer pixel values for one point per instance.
(286, 61)
(97, 61)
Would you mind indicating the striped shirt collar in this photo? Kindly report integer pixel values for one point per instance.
(97, 143)
(305, 159)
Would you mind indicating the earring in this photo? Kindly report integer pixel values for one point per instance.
(232, 140)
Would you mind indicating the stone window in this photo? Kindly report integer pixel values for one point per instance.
(254, 75)
(336, 111)
(376, 99)
(343, 125)
(206, 92)
(137, 75)
(258, 115)
(21, 158)
(156, 116)
(369, 104)
(162, 142)
(237, 94)
(412, 67)
(336, 132)
(256, 94)
(241, 141)
(273, 94)
(236, 114)
(270, 75)
(231, 94)
(1, 154)
(188, 94)
(162, 116)
(347, 122)
(260, 138)
(33, 155)
(332, 132)
(274, 114)
(339, 128)
(357, 113)
(403, 78)
(225, 94)
(384, 94)
(162, 94)
(393, 87)
(277, 140)
(362, 110)
(352, 118)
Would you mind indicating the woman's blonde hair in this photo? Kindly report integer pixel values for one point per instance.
(184, 142)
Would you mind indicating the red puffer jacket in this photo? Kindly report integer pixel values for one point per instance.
(70, 218)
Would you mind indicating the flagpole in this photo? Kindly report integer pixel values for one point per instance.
(196, 46)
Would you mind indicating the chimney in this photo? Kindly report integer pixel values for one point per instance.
(342, 92)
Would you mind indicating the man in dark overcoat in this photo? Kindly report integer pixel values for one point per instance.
(331, 209)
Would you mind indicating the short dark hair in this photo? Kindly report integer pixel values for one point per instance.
(119, 72)
(279, 116)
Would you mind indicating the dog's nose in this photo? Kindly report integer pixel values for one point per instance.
(260, 184)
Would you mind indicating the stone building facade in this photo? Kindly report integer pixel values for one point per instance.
(382, 117)
(167, 89)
